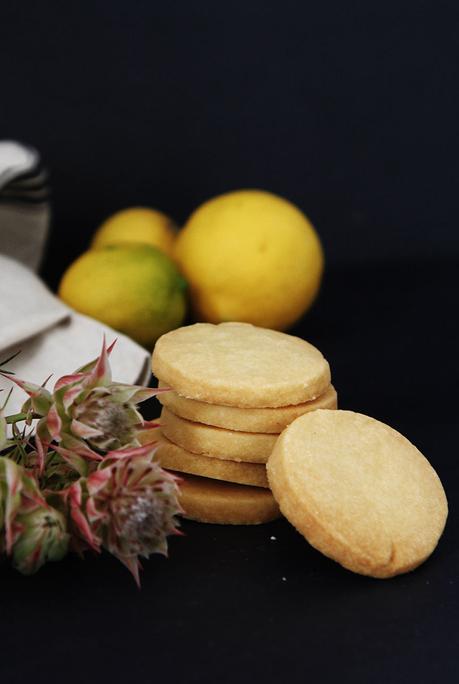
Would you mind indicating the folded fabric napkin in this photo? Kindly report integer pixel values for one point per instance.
(51, 337)
(24, 205)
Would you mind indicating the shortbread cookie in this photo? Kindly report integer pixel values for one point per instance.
(224, 503)
(173, 457)
(270, 420)
(237, 364)
(150, 435)
(254, 447)
(359, 492)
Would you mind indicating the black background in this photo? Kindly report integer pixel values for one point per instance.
(350, 110)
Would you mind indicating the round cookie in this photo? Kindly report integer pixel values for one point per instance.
(269, 420)
(224, 503)
(173, 457)
(217, 442)
(359, 492)
(238, 364)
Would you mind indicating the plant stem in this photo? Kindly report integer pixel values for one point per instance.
(16, 418)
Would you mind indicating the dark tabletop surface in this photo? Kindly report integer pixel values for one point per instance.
(349, 110)
(231, 603)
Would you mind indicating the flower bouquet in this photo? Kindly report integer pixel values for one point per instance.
(74, 474)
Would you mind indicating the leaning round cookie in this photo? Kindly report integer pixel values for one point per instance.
(216, 442)
(238, 364)
(224, 503)
(269, 420)
(359, 492)
(174, 457)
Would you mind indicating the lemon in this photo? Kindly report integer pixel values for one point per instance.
(138, 224)
(133, 288)
(250, 256)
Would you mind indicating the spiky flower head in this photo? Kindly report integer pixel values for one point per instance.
(18, 492)
(77, 463)
(127, 507)
(41, 537)
(86, 414)
(30, 529)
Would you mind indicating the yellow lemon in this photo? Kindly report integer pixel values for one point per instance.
(133, 288)
(250, 256)
(138, 224)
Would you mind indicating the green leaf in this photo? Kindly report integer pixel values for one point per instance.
(3, 435)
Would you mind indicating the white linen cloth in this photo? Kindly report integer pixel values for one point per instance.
(24, 206)
(51, 337)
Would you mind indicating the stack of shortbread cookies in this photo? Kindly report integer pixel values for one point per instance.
(233, 388)
(356, 489)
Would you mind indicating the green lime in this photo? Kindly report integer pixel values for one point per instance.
(135, 289)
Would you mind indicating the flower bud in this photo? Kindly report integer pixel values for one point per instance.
(42, 537)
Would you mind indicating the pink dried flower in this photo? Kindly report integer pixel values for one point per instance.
(32, 531)
(41, 537)
(127, 507)
(86, 414)
(82, 468)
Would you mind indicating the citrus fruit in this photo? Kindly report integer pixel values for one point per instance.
(250, 256)
(135, 289)
(138, 224)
